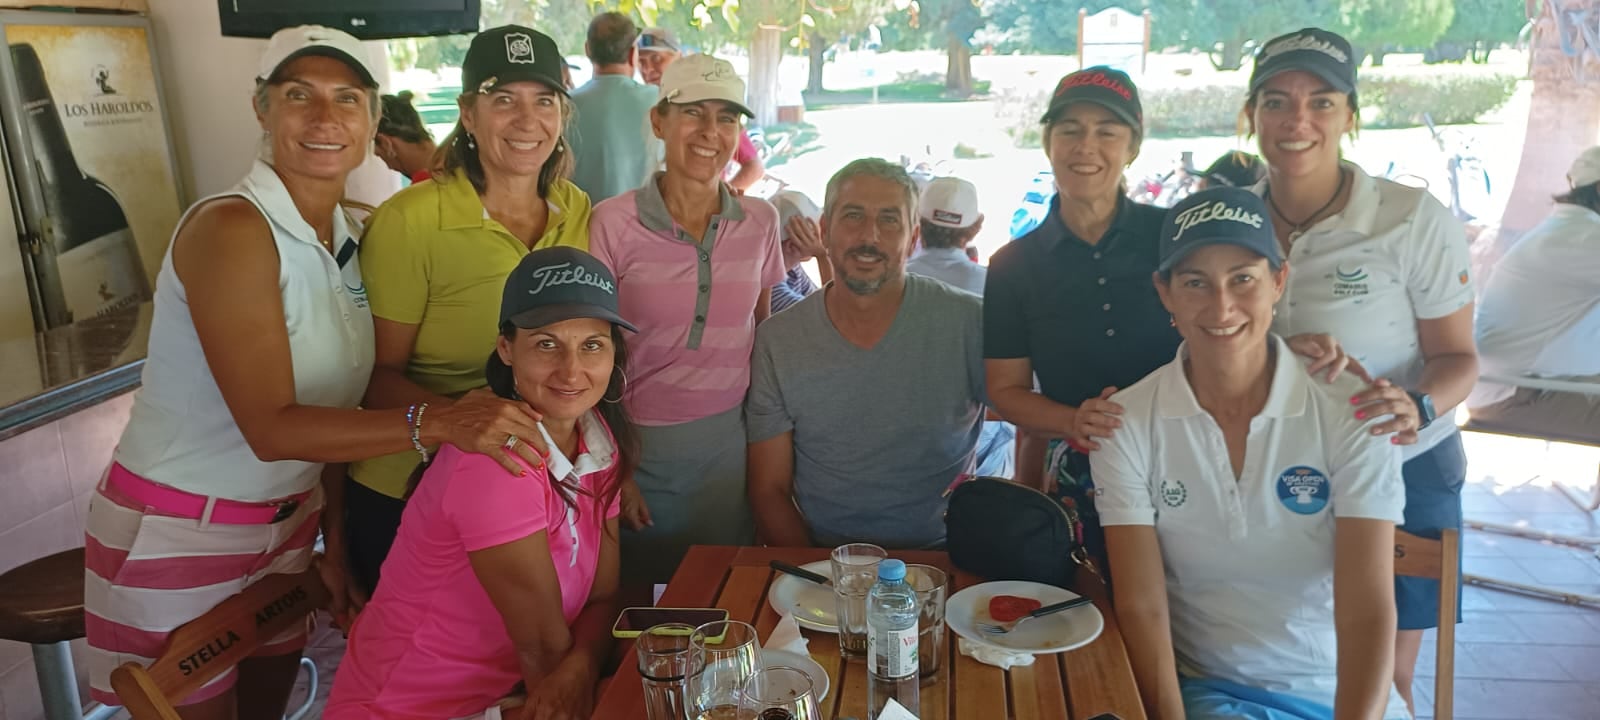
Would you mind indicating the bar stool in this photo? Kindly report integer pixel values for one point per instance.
(41, 603)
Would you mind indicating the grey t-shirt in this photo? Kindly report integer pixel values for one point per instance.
(878, 434)
(608, 151)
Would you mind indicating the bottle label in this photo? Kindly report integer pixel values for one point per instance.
(102, 275)
(893, 652)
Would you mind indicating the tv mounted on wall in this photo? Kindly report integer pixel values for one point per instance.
(365, 19)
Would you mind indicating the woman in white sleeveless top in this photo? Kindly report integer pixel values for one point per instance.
(260, 350)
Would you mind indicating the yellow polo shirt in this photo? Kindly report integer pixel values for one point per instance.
(432, 257)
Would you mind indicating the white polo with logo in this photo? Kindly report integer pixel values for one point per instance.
(1249, 561)
(1393, 256)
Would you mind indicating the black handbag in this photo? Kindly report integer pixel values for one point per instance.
(1003, 530)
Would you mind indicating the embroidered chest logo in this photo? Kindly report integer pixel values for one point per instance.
(1304, 490)
(1173, 493)
(1351, 283)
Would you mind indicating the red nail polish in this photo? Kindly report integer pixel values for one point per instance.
(1355, 399)
(1361, 414)
(1394, 440)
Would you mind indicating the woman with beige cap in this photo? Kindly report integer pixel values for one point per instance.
(259, 350)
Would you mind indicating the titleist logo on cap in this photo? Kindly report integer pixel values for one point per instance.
(1303, 42)
(945, 216)
(1095, 80)
(567, 274)
(1217, 211)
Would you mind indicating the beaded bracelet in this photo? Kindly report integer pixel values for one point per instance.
(414, 419)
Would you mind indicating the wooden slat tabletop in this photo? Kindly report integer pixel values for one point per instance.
(1079, 685)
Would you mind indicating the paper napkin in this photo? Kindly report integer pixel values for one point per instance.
(786, 636)
(990, 655)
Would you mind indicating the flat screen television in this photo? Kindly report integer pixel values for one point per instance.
(365, 19)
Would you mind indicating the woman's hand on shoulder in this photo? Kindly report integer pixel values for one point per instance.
(485, 423)
(1096, 418)
(1386, 398)
(1326, 354)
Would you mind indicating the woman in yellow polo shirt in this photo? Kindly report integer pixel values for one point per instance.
(436, 255)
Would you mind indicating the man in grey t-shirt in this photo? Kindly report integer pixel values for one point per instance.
(866, 399)
(608, 149)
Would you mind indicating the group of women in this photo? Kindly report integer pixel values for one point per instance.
(505, 394)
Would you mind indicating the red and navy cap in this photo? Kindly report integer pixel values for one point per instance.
(1107, 87)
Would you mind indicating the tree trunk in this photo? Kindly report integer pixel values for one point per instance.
(1563, 120)
(958, 67)
(1377, 57)
(815, 47)
(766, 51)
(1230, 57)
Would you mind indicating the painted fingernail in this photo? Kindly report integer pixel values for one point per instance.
(1394, 440)
(1361, 414)
(1355, 399)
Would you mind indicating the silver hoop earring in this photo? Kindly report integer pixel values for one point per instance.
(622, 391)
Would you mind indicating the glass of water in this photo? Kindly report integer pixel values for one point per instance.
(664, 653)
(855, 569)
(931, 586)
(779, 693)
(723, 656)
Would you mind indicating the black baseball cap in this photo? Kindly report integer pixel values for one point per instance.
(1218, 216)
(508, 54)
(559, 283)
(1236, 169)
(1107, 87)
(1314, 50)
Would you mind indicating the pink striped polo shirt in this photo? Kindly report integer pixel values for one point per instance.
(693, 299)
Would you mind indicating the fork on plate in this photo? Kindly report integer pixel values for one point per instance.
(1003, 628)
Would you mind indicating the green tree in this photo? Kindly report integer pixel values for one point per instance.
(1226, 28)
(1376, 26)
(1048, 27)
(957, 21)
(1479, 25)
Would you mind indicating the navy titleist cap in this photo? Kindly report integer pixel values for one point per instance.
(1314, 50)
(1218, 216)
(556, 284)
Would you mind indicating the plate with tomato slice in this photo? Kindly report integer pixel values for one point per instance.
(1005, 600)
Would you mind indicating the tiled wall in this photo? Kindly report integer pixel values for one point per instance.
(46, 476)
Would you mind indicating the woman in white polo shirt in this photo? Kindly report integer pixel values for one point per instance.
(1249, 516)
(1381, 267)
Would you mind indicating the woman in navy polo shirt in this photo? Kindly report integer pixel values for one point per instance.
(1249, 515)
(1383, 268)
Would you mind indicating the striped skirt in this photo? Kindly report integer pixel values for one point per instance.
(146, 573)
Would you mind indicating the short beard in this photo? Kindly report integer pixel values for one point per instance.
(864, 287)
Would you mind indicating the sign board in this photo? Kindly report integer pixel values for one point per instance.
(1114, 37)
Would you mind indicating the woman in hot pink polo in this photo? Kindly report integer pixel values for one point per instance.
(695, 264)
(497, 578)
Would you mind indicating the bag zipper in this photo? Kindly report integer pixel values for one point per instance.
(1079, 555)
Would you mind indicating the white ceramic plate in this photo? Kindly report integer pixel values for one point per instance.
(804, 663)
(1062, 631)
(812, 605)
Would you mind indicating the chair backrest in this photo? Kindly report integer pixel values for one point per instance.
(209, 645)
(1421, 557)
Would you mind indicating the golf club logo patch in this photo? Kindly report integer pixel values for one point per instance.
(519, 48)
(1173, 493)
(1304, 490)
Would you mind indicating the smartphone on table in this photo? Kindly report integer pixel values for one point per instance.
(635, 620)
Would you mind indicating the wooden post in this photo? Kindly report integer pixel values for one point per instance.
(1082, 13)
(1144, 56)
(766, 51)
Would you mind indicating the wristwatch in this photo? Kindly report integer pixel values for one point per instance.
(1424, 403)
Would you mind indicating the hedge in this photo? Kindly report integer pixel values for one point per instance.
(1386, 102)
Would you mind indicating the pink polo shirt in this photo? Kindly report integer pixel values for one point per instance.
(693, 299)
(431, 644)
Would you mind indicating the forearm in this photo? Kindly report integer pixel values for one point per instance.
(1148, 634)
(747, 176)
(333, 527)
(778, 520)
(1032, 411)
(390, 388)
(591, 634)
(314, 433)
(1366, 660)
(824, 269)
(1448, 379)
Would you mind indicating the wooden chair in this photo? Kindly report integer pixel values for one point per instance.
(209, 645)
(1420, 557)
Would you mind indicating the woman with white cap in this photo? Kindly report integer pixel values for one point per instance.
(260, 347)
(1384, 269)
(695, 265)
(1249, 516)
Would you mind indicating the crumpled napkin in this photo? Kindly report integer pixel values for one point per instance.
(893, 710)
(786, 636)
(991, 655)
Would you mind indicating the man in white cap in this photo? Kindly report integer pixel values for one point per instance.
(658, 48)
(1539, 316)
(950, 221)
(801, 241)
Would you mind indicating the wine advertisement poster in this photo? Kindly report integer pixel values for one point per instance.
(99, 148)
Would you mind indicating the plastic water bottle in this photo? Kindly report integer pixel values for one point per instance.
(892, 641)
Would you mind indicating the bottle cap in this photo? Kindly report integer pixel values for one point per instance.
(892, 570)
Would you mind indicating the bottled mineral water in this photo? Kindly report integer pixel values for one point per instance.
(891, 640)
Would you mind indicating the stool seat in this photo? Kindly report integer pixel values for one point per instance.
(42, 602)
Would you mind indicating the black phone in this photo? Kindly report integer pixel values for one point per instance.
(636, 620)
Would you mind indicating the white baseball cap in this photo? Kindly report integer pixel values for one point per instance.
(702, 77)
(950, 202)
(291, 43)
(793, 202)
(658, 39)
(1586, 169)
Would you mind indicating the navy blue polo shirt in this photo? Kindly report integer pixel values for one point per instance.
(1086, 316)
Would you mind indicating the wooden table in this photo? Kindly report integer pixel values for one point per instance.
(1076, 685)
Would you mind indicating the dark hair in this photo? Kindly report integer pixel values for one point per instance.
(611, 36)
(1587, 196)
(939, 236)
(400, 120)
(454, 153)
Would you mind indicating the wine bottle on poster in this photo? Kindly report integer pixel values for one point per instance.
(85, 259)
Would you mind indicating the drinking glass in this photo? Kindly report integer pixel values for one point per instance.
(664, 653)
(780, 693)
(931, 585)
(855, 569)
(722, 657)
